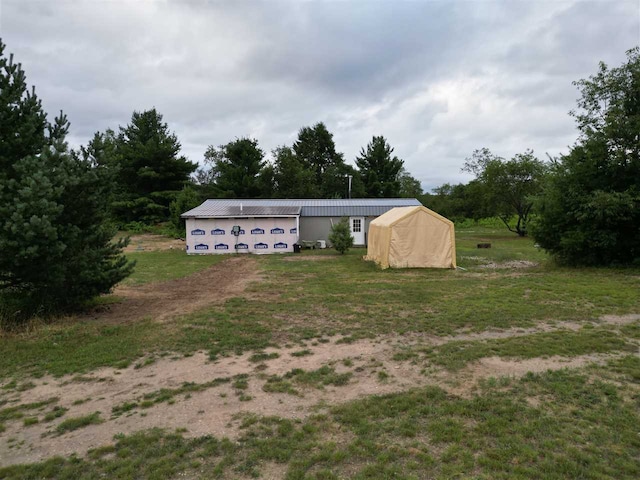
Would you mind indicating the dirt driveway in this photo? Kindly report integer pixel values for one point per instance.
(162, 301)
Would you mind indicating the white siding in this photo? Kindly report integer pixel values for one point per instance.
(213, 235)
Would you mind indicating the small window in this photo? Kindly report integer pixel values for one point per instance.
(356, 226)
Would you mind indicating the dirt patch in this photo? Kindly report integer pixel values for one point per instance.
(217, 410)
(411, 339)
(164, 300)
(620, 319)
(310, 258)
(465, 382)
(212, 411)
(513, 264)
(150, 243)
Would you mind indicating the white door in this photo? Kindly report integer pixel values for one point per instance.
(357, 230)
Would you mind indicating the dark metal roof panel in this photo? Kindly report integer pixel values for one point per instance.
(208, 210)
(305, 207)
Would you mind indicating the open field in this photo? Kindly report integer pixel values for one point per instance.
(321, 366)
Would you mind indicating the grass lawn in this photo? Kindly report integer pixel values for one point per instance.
(580, 423)
(163, 265)
(310, 298)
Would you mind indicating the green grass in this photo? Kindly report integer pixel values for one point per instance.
(319, 378)
(28, 421)
(163, 265)
(74, 423)
(76, 347)
(262, 356)
(579, 423)
(18, 411)
(309, 299)
(278, 384)
(241, 382)
(57, 412)
(457, 354)
(169, 394)
(324, 375)
(315, 379)
(554, 425)
(302, 353)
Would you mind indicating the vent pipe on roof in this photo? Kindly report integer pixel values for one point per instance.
(240, 207)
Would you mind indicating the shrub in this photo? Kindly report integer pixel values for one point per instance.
(340, 236)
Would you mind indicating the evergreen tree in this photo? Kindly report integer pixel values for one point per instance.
(340, 236)
(590, 209)
(291, 178)
(236, 169)
(336, 182)
(379, 171)
(56, 245)
(22, 120)
(316, 150)
(150, 171)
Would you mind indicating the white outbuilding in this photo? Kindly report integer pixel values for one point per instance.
(275, 225)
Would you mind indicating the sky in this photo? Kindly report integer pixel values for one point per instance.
(438, 79)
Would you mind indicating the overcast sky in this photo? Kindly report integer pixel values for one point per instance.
(437, 78)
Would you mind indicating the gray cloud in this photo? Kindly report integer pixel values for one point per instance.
(437, 78)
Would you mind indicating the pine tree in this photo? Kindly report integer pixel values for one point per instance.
(150, 171)
(379, 171)
(291, 178)
(316, 150)
(22, 121)
(340, 236)
(236, 169)
(57, 249)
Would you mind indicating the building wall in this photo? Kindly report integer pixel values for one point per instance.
(319, 228)
(258, 235)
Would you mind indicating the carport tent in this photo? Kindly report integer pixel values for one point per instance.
(412, 237)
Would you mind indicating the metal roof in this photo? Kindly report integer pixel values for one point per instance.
(216, 209)
(363, 207)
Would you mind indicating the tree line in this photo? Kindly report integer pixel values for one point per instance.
(153, 183)
(583, 207)
(60, 208)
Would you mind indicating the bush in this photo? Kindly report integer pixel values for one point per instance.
(340, 236)
(187, 199)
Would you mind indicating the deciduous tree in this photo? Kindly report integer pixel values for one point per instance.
(409, 186)
(509, 186)
(590, 210)
(186, 199)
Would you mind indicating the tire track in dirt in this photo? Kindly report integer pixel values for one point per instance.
(162, 301)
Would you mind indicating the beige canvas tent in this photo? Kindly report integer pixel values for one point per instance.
(412, 237)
